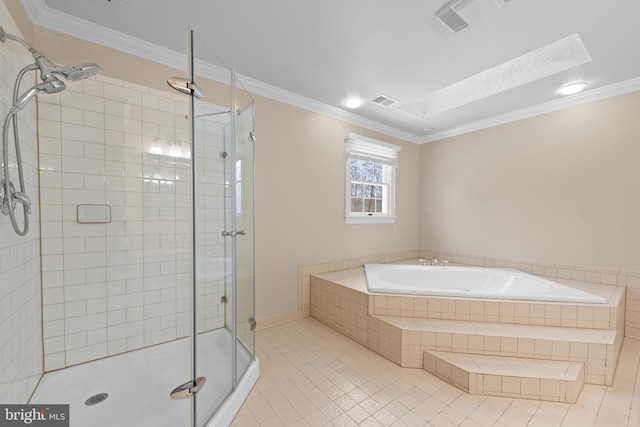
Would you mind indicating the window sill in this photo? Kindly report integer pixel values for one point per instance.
(370, 219)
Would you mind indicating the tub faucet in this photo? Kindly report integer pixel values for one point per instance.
(441, 263)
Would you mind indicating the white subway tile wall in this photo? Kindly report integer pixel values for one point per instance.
(20, 314)
(114, 287)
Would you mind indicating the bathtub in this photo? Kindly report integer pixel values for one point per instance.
(471, 282)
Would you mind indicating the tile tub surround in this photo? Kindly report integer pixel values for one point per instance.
(401, 328)
(308, 268)
(559, 272)
(590, 276)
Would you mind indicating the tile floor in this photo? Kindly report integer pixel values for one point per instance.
(313, 376)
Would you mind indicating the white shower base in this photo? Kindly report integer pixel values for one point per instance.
(139, 383)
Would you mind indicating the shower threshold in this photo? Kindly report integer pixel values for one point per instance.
(138, 385)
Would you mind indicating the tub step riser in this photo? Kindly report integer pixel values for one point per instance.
(508, 312)
(491, 383)
(406, 348)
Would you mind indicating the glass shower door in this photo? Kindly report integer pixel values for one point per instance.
(213, 262)
(244, 216)
(223, 243)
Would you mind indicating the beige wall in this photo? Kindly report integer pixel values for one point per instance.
(300, 196)
(300, 172)
(562, 187)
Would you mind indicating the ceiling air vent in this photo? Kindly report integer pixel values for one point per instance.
(460, 14)
(452, 20)
(384, 100)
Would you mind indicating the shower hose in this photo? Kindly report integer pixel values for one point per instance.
(9, 195)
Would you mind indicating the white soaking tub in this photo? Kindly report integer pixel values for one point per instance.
(471, 282)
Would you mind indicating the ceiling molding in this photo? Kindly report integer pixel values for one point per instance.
(616, 89)
(43, 16)
(300, 101)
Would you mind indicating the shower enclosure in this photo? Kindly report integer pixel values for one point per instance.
(134, 302)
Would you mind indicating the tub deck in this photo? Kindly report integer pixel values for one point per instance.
(403, 327)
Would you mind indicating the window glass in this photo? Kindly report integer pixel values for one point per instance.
(370, 182)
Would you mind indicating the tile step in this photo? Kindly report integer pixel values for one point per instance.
(555, 333)
(550, 380)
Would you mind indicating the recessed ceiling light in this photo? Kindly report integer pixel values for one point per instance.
(573, 88)
(353, 102)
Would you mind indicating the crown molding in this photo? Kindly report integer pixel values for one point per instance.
(40, 14)
(43, 16)
(303, 102)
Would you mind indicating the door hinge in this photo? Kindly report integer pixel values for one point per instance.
(188, 389)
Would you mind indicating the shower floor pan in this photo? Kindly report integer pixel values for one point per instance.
(138, 385)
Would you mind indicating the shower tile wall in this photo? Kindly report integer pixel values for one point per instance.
(119, 286)
(20, 315)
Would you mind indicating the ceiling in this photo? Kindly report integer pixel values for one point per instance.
(316, 54)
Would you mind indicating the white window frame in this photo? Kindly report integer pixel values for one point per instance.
(372, 150)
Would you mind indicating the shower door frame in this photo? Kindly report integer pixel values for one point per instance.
(241, 383)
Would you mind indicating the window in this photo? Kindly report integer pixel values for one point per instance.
(370, 180)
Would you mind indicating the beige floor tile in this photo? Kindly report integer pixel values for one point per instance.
(413, 419)
(313, 376)
(440, 421)
(371, 422)
(358, 414)
(470, 423)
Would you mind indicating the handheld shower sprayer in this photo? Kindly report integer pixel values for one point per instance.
(52, 86)
(49, 73)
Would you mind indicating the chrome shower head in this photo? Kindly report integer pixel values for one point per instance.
(53, 85)
(71, 73)
(82, 71)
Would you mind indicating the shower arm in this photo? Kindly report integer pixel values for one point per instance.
(4, 36)
(16, 88)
